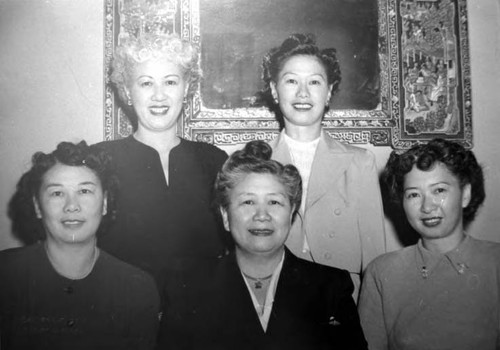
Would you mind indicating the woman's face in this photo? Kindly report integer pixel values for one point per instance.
(71, 203)
(157, 89)
(302, 91)
(259, 215)
(433, 202)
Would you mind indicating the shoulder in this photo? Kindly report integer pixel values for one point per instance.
(392, 262)
(359, 153)
(361, 159)
(13, 255)
(316, 274)
(486, 249)
(208, 155)
(126, 273)
(202, 148)
(113, 144)
(15, 261)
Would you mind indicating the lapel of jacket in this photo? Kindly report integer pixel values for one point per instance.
(281, 153)
(288, 296)
(330, 162)
(237, 305)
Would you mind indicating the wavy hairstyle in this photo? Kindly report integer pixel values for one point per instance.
(25, 224)
(256, 158)
(134, 50)
(294, 45)
(460, 162)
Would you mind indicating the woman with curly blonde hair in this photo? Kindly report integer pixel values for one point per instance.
(164, 210)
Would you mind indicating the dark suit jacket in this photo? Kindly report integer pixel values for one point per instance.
(209, 307)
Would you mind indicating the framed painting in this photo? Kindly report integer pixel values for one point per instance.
(405, 66)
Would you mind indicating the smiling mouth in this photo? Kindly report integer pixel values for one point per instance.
(72, 223)
(431, 222)
(161, 110)
(302, 106)
(261, 232)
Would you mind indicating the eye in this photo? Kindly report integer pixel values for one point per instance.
(275, 202)
(248, 202)
(291, 81)
(440, 190)
(56, 193)
(171, 82)
(146, 84)
(412, 195)
(86, 191)
(315, 82)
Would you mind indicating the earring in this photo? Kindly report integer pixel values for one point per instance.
(129, 101)
(276, 100)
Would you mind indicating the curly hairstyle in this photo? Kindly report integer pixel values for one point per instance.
(460, 162)
(294, 45)
(134, 50)
(25, 224)
(256, 158)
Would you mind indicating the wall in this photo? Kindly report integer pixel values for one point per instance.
(51, 83)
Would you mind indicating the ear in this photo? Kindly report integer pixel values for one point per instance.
(466, 195)
(225, 219)
(127, 92)
(38, 212)
(329, 96)
(105, 204)
(272, 85)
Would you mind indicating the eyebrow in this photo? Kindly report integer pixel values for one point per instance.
(267, 194)
(309, 75)
(431, 185)
(85, 183)
(165, 76)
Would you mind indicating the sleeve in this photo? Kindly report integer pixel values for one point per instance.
(371, 311)
(370, 211)
(345, 324)
(174, 333)
(147, 314)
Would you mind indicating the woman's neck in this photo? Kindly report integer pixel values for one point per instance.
(162, 142)
(73, 261)
(445, 244)
(303, 133)
(258, 265)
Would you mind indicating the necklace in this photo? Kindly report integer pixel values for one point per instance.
(258, 282)
(95, 256)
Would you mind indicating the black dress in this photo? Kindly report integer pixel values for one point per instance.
(157, 223)
(115, 307)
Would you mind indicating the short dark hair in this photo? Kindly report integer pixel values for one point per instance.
(25, 224)
(459, 161)
(294, 45)
(256, 158)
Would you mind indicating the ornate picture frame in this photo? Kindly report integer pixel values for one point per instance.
(423, 78)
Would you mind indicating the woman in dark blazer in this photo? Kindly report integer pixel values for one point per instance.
(260, 296)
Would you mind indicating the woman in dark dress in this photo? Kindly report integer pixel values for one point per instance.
(63, 292)
(164, 204)
(261, 296)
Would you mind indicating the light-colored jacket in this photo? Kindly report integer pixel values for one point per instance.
(343, 217)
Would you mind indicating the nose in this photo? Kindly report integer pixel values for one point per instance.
(158, 93)
(303, 90)
(261, 214)
(72, 205)
(429, 203)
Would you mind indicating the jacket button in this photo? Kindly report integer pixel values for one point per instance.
(68, 290)
(70, 323)
(337, 211)
(328, 256)
(331, 235)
